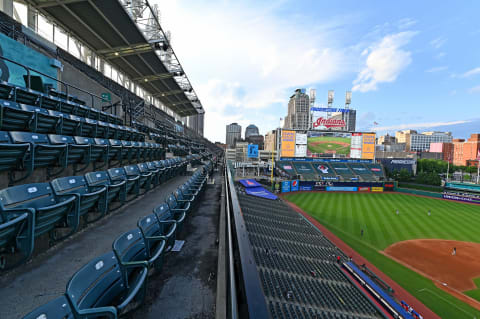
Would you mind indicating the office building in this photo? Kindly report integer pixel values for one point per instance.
(234, 133)
(270, 141)
(298, 117)
(465, 152)
(251, 130)
(421, 142)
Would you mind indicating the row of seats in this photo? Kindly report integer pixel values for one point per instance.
(24, 151)
(30, 210)
(116, 282)
(55, 101)
(24, 117)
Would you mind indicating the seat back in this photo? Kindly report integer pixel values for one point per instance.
(5, 138)
(80, 140)
(98, 178)
(26, 137)
(35, 195)
(117, 174)
(159, 164)
(70, 184)
(172, 201)
(114, 143)
(143, 168)
(151, 166)
(101, 141)
(126, 143)
(96, 284)
(130, 246)
(60, 139)
(132, 170)
(149, 226)
(162, 212)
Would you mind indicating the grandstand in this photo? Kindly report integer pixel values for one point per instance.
(305, 170)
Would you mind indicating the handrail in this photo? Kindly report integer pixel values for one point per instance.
(231, 268)
(66, 85)
(249, 281)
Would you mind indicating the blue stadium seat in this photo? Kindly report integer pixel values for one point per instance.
(69, 124)
(155, 230)
(102, 129)
(139, 150)
(132, 247)
(41, 153)
(12, 156)
(145, 179)
(118, 174)
(93, 114)
(105, 287)
(164, 213)
(163, 171)
(112, 132)
(43, 122)
(89, 199)
(50, 102)
(98, 152)
(14, 118)
(128, 151)
(175, 205)
(26, 96)
(76, 153)
(115, 152)
(156, 173)
(50, 210)
(89, 128)
(116, 190)
(57, 308)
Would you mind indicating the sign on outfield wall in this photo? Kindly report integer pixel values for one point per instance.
(286, 186)
(377, 189)
(288, 144)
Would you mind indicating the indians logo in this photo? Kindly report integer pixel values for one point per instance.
(323, 169)
(250, 183)
(328, 123)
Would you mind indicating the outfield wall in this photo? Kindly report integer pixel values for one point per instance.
(297, 185)
(419, 192)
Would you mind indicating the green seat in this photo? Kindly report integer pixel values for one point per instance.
(118, 174)
(76, 154)
(116, 190)
(43, 121)
(14, 118)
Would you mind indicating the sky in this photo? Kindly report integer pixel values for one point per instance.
(409, 64)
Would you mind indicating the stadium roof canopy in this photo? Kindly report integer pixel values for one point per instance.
(107, 28)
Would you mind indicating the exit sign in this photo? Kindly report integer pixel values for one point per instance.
(106, 97)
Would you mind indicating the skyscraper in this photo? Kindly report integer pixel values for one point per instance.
(298, 111)
(234, 132)
(251, 130)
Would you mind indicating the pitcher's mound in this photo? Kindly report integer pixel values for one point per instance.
(433, 258)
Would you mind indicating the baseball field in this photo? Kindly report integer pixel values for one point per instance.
(413, 248)
(329, 145)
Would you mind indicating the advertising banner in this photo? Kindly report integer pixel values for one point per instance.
(301, 139)
(329, 160)
(306, 188)
(328, 144)
(377, 189)
(462, 198)
(286, 186)
(288, 144)
(368, 146)
(300, 150)
(329, 109)
(294, 186)
(364, 189)
(356, 145)
(341, 189)
(252, 151)
(321, 123)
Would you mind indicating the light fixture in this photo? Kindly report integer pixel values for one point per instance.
(146, 80)
(116, 53)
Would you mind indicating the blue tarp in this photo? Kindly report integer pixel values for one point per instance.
(260, 192)
(382, 293)
(249, 183)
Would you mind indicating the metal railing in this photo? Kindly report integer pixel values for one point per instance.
(246, 297)
(65, 85)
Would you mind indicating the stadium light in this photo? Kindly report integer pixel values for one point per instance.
(331, 94)
(348, 98)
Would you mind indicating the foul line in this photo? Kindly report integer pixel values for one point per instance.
(438, 296)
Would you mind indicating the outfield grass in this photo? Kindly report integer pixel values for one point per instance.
(346, 214)
(475, 293)
(329, 144)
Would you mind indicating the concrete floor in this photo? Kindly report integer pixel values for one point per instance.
(185, 288)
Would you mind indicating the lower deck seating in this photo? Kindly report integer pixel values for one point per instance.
(362, 171)
(343, 171)
(305, 170)
(115, 282)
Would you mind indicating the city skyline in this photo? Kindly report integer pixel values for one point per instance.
(405, 63)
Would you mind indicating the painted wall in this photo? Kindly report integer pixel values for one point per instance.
(16, 51)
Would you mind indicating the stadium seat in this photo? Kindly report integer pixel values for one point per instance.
(43, 122)
(102, 129)
(89, 199)
(14, 118)
(177, 206)
(41, 153)
(163, 171)
(50, 211)
(69, 124)
(115, 152)
(76, 154)
(116, 191)
(89, 127)
(105, 287)
(132, 247)
(144, 170)
(155, 230)
(128, 151)
(164, 214)
(156, 173)
(98, 152)
(183, 199)
(26, 96)
(50, 102)
(118, 174)
(12, 156)
(145, 179)
(57, 308)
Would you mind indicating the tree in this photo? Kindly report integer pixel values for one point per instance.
(404, 175)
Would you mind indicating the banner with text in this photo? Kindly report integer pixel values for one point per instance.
(288, 144)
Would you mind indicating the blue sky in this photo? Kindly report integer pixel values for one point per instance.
(410, 64)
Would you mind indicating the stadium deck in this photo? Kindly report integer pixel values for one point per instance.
(185, 288)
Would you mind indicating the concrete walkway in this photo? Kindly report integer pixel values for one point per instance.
(46, 276)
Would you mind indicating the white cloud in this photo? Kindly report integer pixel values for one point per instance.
(385, 62)
(475, 89)
(471, 72)
(406, 23)
(417, 125)
(438, 42)
(437, 69)
(242, 58)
